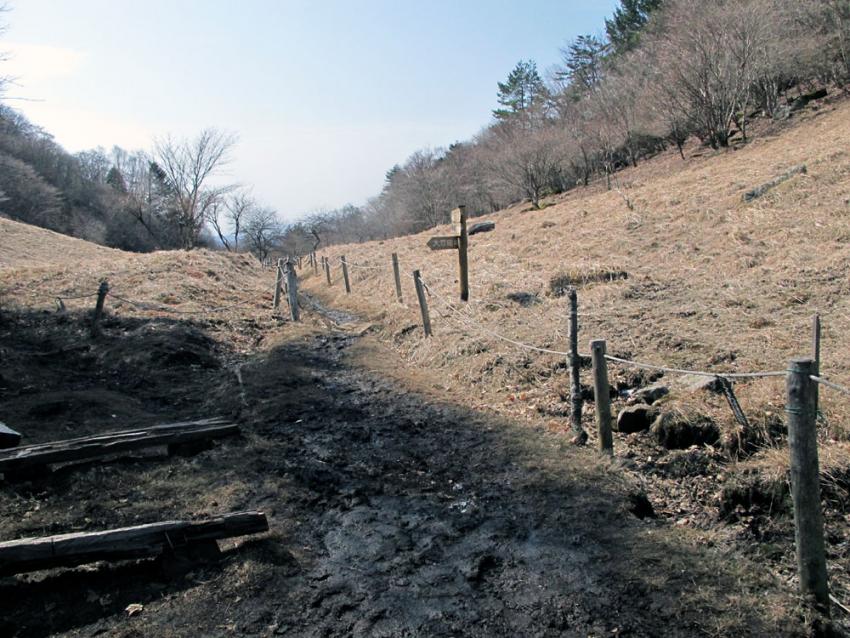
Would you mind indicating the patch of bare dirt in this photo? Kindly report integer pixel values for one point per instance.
(394, 510)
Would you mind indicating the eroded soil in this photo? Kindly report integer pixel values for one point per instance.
(393, 510)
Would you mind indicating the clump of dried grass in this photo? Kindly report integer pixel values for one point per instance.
(561, 283)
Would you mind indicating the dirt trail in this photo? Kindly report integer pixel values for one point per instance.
(393, 513)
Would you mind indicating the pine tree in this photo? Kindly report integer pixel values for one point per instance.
(629, 18)
(520, 91)
(583, 61)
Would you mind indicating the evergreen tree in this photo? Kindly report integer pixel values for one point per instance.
(520, 91)
(116, 180)
(583, 62)
(629, 18)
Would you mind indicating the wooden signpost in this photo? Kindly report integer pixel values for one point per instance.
(444, 243)
(460, 242)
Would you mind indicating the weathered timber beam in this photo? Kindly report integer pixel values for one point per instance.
(139, 541)
(103, 445)
(106, 436)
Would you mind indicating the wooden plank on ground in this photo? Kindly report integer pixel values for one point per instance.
(139, 541)
(91, 447)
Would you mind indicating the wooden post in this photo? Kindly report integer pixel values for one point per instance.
(345, 275)
(816, 331)
(299, 262)
(102, 291)
(805, 485)
(602, 396)
(575, 364)
(328, 271)
(459, 222)
(278, 283)
(397, 276)
(423, 303)
(292, 286)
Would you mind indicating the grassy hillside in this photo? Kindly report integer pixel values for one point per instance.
(23, 244)
(713, 283)
(229, 294)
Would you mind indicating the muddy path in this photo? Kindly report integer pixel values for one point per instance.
(394, 512)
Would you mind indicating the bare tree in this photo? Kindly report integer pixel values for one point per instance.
(227, 217)
(419, 189)
(262, 231)
(528, 161)
(188, 164)
(705, 74)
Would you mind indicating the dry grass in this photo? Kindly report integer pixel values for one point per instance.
(713, 283)
(23, 244)
(228, 293)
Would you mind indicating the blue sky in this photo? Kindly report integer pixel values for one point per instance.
(325, 96)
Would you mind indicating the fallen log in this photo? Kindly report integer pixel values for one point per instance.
(139, 541)
(90, 447)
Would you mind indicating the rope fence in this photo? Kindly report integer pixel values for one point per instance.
(802, 381)
(357, 266)
(830, 384)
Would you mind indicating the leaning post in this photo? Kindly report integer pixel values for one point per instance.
(345, 274)
(602, 396)
(278, 283)
(423, 303)
(327, 270)
(397, 276)
(292, 292)
(805, 483)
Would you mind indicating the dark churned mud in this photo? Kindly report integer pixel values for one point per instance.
(393, 511)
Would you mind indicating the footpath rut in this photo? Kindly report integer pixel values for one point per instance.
(430, 519)
(394, 509)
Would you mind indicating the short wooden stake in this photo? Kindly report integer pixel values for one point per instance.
(328, 271)
(459, 221)
(397, 276)
(816, 331)
(292, 285)
(423, 303)
(805, 483)
(602, 396)
(102, 291)
(575, 367)
(278, 283)
(345, 275)
(314, 264)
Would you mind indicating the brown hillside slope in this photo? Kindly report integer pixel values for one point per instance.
(714, 283)
(708, 275)
(22, 244)
(229, 294)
